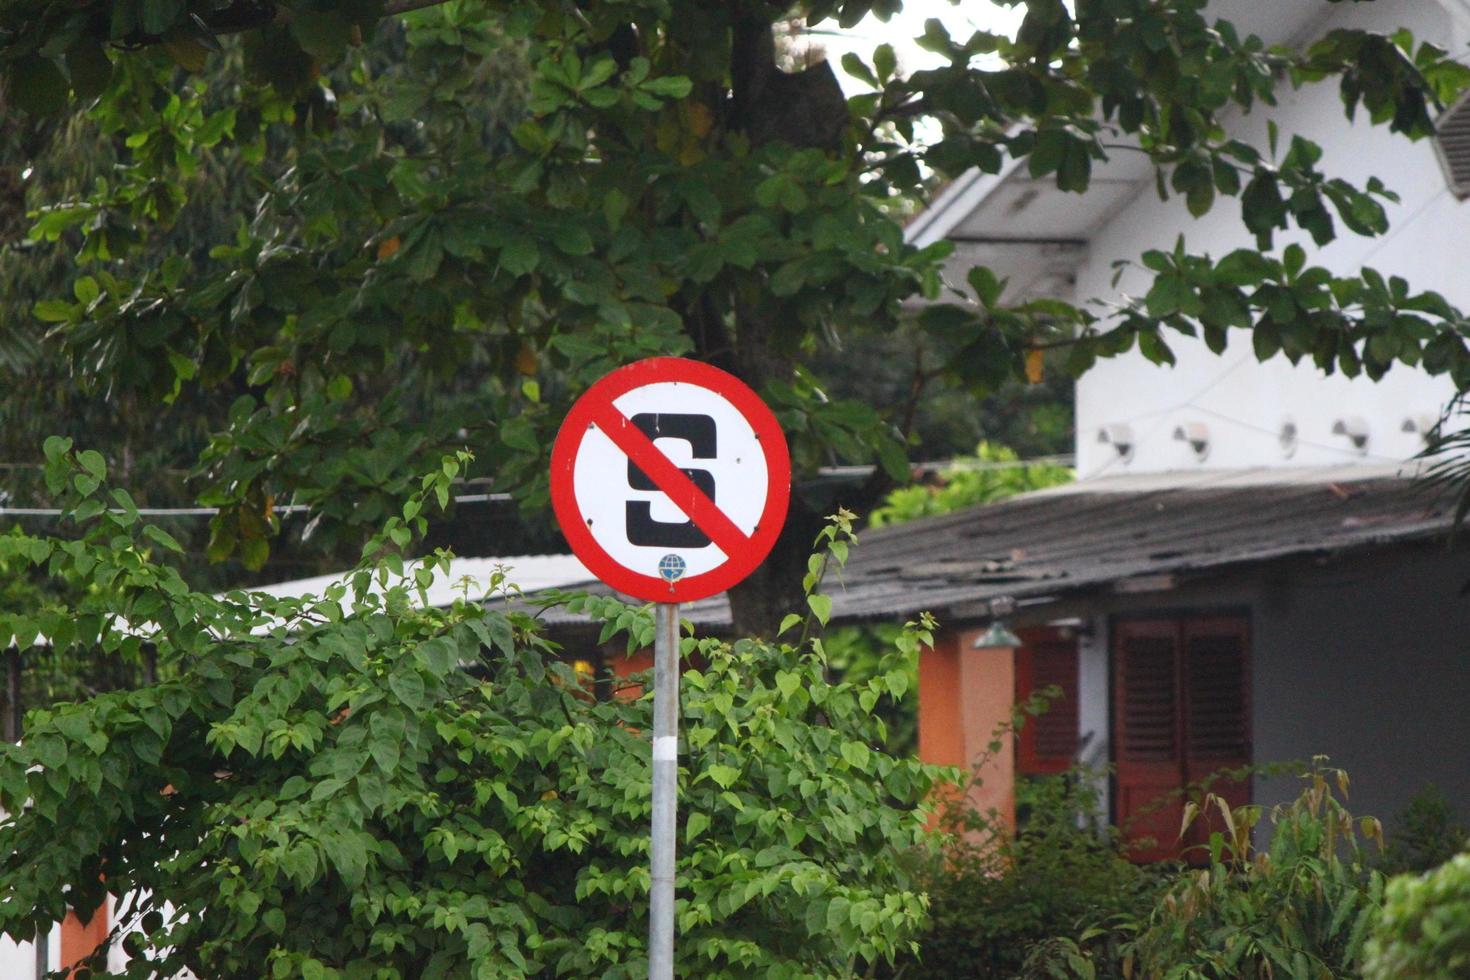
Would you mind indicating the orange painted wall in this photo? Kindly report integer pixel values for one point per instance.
(941, 738)
(621, 666)
(964, 696)
(78, 941)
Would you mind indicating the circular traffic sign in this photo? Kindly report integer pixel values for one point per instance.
(670, 479)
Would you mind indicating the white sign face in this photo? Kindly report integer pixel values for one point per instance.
(701, 433)
(670, 479)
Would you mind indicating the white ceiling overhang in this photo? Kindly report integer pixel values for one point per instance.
(1034, 235)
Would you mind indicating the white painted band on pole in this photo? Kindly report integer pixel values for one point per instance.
(666, 748)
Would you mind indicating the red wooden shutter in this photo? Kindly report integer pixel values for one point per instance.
(1217, 710)
(1181, 712)
(1147, 735)
(1048, 742)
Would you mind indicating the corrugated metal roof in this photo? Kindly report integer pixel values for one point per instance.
(466, 577)
(1093, 534)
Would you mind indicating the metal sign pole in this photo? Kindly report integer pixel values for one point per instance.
(665, 790)
(614, 436)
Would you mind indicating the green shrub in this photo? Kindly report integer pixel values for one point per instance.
(993, 473)
(859, 654)
(1424, 835)
(994, 896)
(1424, 931)
(1301, 908)
(352, 788)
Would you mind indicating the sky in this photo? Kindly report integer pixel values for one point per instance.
(961, 19)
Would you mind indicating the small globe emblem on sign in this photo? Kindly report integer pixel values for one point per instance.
(671, 568)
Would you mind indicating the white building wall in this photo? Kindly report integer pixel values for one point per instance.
(18, 961)
(1093, 710)
(1243, 404)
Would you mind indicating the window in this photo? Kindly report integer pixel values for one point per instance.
(1181, 713)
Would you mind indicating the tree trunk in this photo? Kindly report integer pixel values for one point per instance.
(804, 109)
(773, 590)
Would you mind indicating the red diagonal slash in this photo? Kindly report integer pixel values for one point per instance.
(670, 479)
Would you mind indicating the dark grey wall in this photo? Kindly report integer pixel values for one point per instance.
(1363, 657)
(1368, 661)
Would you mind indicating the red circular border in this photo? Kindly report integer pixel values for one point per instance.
(569, 441)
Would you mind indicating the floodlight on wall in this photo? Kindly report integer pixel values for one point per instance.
(1119, 435)
(1197, 434)
(1423, 423)
(1287, 439)
(1356, 430)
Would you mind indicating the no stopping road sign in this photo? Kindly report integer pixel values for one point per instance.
(670, 479)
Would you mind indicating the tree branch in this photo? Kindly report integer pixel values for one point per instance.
(917, 385)
(900, 110)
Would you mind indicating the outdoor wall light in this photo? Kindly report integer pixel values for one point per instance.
(997, 637)
(1120, 437)
(1356, 429)
(1197, 434)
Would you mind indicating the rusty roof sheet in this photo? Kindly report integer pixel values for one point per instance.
(1094, 534)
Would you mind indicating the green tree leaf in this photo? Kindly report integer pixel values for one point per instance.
(36, 85)
(821, 607)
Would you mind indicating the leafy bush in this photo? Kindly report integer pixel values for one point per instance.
(1424, 931)
(998, 896)
(351, 787)
(1424, 835)
(993, 473)
(994, 894)
(1301, 908)
(861, 653)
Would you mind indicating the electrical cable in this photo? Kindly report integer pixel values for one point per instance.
(465, 498)
(1300, 441)
(1058, 459)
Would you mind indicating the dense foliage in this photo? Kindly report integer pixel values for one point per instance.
(1424, 835)
(351, 785)
(1424, 931)
(992, 473)
(1286, 893)
(1293, 898)
(997, 897)
(661, 184)
(419, 264)
(1299, 907)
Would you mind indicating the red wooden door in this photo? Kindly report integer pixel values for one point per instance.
(1146, 735)
(1181, 712)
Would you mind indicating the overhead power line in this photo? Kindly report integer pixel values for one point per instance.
(464, 498)
(839, 472)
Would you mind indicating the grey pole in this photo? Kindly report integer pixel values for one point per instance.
(665, 790)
